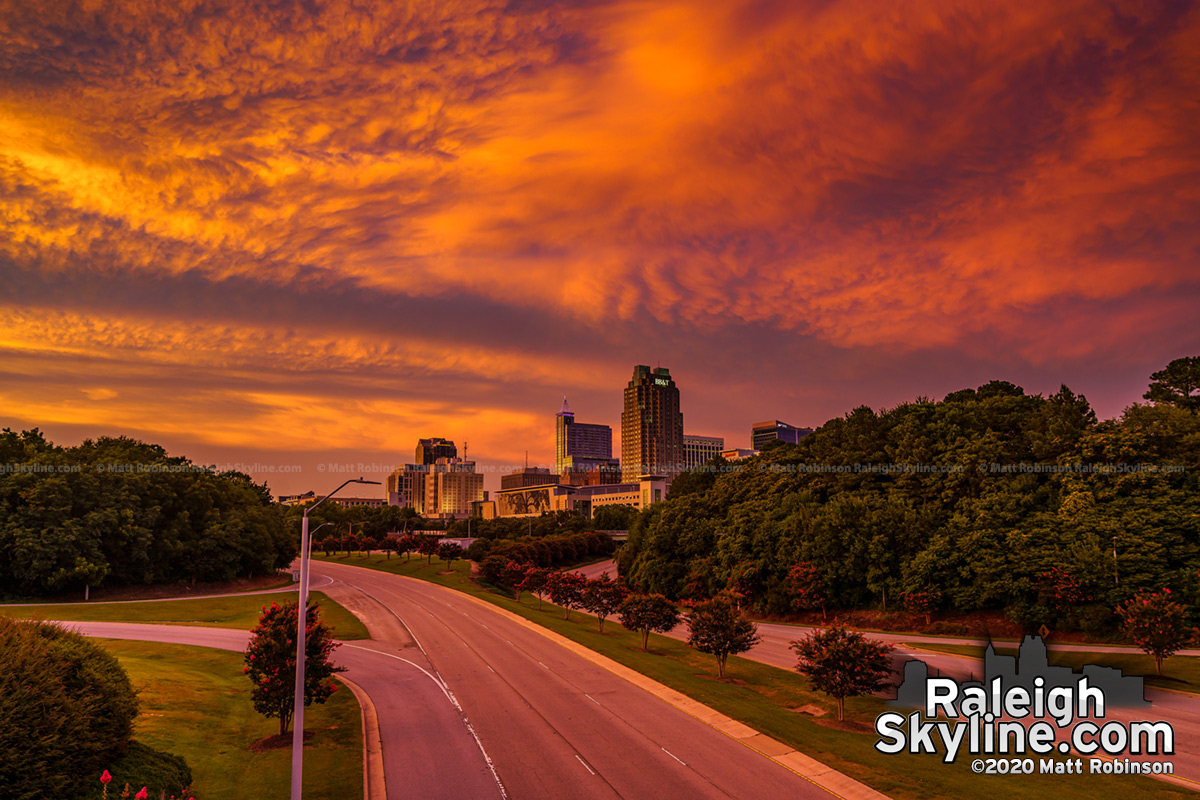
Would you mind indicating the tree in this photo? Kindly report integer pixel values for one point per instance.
(369, 543)
(602, 597)
(719, 629)
(1156, 624)
(329, 544)
(388, 545)
(646, 613)
(449, 552)
(924, 601)
(1058, 588)
(427, 546)
(271, 661)
(535, 582)
(843, 663)
(566, 590)
(513, 575)
(407, 544)
(807, 587)
(1178, 384)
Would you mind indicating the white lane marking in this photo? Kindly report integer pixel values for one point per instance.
(585, 765)
(585, 694)
(394, 614)
(479, 623)
(672, 755)
(543, 666)
(440, 684)
(504, 640)
(489, 666)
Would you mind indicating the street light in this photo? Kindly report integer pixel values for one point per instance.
(301, 615)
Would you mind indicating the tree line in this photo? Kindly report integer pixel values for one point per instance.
(989, 499)
(120, 511)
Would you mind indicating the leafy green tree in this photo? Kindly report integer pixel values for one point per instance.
(566, 590)
(602, 597)
(1156, 624)
(1177, 384)
(648, 613)
(843, 663)
(270, 661)
(718, 628)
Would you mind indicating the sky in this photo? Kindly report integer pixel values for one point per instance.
(293, 235)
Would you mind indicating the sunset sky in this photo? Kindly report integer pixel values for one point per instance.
(311, 232)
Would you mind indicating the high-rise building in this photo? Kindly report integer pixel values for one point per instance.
(579, 446)
(698, 450)
(651, 425)
(406, 487)
(772, 429)
(450, 487)
(430, 450)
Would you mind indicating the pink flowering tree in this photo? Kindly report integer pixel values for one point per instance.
(1156, 624)
(806, 586)
(270, 661)
(1060, 590)
(843, 663)
(924, 601)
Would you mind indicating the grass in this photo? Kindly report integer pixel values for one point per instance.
(1181, 673)
(766, 699)
(239, 612)
(195, 702)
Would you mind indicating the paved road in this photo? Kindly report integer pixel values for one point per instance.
(312, 587)
(554, 724)
(432, 752)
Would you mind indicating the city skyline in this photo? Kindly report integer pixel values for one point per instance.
(316, 234)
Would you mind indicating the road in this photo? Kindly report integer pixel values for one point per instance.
(553, 723)
(427, 736)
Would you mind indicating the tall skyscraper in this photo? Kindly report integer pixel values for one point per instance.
(579, 446)
(430, 450)
(651, 425)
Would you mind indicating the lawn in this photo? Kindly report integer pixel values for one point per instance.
(1181, 673)
(239, 612)
(195, 702)
(769, 700)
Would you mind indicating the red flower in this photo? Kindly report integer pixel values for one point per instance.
(143, 794)
(105, 778)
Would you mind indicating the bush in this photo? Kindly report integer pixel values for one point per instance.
(68, 709)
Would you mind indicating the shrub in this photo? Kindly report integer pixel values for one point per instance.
(159, 772)
(68, 709)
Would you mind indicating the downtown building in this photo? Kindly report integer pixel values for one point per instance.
(439, 484)
(774, 430)
(582, 450)
(651, 426)
(699, 450)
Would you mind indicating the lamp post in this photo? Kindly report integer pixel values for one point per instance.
(301, 624)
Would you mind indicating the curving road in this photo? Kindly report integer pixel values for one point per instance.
(426, 737)
(554, 723)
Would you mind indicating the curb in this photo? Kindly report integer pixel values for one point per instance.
(836, 783)
(374, 786)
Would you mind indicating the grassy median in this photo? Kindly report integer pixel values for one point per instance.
(240, 612)
(779, 703)
(195, 702)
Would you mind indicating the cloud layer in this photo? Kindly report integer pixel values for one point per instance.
(235, 224)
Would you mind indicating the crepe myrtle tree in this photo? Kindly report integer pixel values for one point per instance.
(566, 590)
(1156, 624)
(534, 582)
(718, 628)
(843, 663)
(806, 586)
(602, 597)
(449, 552)
(648, 613)
(270, 661)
